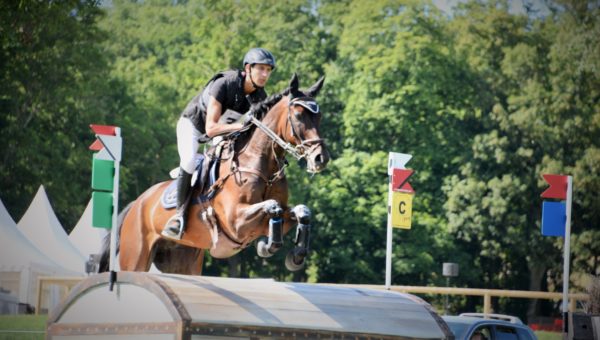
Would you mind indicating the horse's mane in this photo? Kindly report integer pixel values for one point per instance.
(261, 108)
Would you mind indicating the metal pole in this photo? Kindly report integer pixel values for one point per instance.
(395, 160)
(567, 250)
(114, 229)
(388, 251)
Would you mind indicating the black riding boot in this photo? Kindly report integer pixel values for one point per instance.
(176, 224)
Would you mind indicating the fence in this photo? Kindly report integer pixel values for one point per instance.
(64, 282)
(487, 294)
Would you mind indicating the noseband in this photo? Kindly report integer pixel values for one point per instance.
(306, 147)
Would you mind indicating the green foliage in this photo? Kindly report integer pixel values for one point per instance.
(350, 218)
(51, 87)
(493, 205)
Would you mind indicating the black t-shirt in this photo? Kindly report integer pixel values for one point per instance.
(228, 88)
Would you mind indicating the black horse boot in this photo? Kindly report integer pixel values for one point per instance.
(176, 224)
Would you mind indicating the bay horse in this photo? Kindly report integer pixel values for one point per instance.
(250, 198)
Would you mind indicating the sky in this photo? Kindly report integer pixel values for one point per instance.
(516, 6)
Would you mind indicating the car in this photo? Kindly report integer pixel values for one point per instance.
(478, 326)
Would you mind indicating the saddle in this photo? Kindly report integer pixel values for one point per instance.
(205, 175)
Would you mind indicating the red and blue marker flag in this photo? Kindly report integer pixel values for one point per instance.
(554, 215)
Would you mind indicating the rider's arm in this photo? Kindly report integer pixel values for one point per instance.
(213, 114)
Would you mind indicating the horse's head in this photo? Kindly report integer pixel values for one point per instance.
(302, 125)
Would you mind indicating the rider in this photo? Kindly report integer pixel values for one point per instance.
(212, 112)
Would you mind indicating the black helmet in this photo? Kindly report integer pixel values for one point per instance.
(259, 56)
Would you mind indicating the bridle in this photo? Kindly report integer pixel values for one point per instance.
(305, 147)
(299, 151)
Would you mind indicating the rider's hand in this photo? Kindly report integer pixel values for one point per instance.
(247, 118)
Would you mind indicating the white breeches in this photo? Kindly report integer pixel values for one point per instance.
(187, 144)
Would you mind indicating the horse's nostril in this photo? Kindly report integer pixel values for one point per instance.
(321, 159)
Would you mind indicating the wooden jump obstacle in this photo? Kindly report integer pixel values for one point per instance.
(166, 306)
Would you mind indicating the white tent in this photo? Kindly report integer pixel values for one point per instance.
(40, 225)
(21, 263)
(87, 239)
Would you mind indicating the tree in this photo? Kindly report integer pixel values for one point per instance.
(494, 204)
(403, 90)
(52, 84)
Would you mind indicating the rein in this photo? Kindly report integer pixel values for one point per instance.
(289, 148)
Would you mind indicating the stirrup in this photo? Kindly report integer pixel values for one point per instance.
(166, 232)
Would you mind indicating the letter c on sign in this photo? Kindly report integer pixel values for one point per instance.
(401, 207)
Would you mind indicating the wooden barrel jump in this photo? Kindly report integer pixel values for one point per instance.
(167, 306)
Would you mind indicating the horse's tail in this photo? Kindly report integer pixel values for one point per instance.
(105, 250)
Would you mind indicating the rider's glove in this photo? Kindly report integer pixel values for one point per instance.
(247, 118)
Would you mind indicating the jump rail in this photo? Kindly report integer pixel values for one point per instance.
(487, 294)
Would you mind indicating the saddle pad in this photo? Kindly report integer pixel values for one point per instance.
(169, 197)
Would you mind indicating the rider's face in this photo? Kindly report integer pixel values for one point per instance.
(261, 73)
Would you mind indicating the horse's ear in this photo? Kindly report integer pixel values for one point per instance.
(294, 83)
(314, 90)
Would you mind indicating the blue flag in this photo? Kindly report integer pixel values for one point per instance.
(554, 218)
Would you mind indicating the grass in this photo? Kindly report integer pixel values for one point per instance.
(543, 335)
(22, 327)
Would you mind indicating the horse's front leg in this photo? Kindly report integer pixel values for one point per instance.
(296, 257)
(275, 237)
(252, 216)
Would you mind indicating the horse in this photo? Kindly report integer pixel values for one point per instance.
(248, 201)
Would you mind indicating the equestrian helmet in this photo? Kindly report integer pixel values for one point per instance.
(259, 56)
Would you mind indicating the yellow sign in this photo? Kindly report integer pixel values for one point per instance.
(401, 209)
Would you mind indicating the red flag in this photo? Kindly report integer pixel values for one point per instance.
(104, 129)
(101, 130)
(96, 145)
(558, 187)
(400, 180)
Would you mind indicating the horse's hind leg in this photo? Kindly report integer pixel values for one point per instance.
(135, 247)
(137, 258)
(194, 266)
(178, 259)
(296, 257)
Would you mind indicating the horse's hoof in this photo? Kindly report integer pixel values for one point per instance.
(301, 213)
(262, 249)
(273, 209)
(292, 263)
